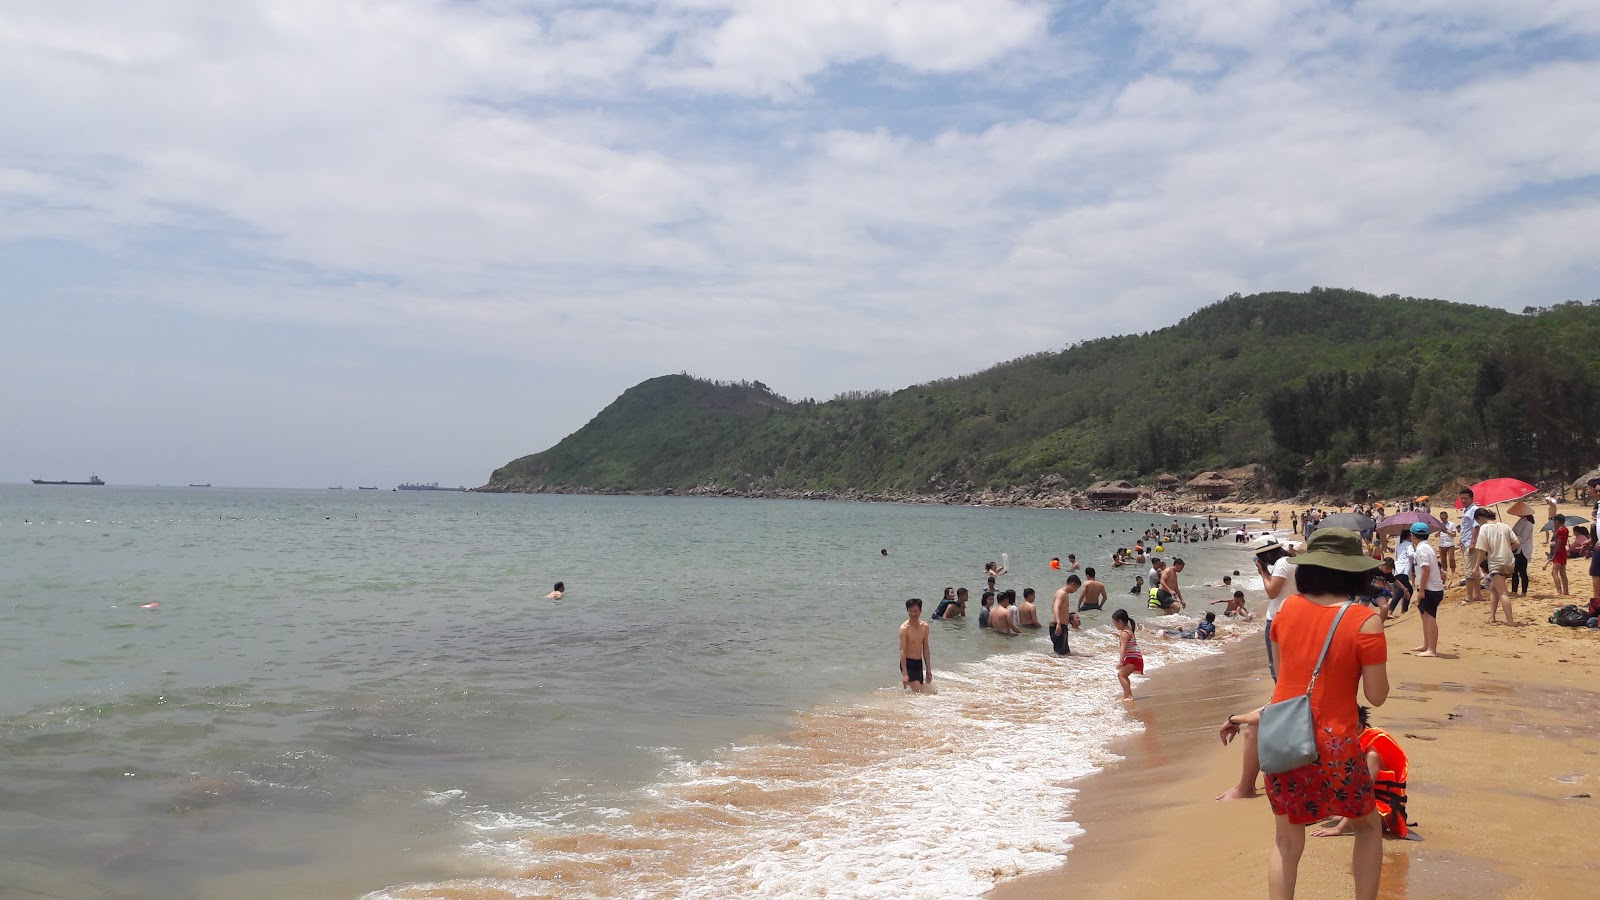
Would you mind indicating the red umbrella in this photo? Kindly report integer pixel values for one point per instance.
(1498, 490)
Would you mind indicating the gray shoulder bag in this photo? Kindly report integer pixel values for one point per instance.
(1286, 738)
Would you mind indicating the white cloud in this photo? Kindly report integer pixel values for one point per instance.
(776, 46)
(717, 186)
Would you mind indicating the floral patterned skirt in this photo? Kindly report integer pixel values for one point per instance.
(1337, 784)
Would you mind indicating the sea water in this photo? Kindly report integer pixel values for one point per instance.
(342, 693)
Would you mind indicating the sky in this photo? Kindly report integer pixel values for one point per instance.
(316, 242)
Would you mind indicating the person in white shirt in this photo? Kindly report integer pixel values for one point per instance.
(1403, 571)
(1447, 544)
(1276, 568)
(1496, 545)
(1430, 580)
(1523, 529)
(1469, 530)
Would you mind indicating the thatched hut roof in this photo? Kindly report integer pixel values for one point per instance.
(1211, 483)
(1111, 490)
(1167, 478)
(1583, 480)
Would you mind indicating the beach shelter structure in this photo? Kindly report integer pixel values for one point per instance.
(1112, 492)
(1211, 484)
(1582, 483)
(1166, 479)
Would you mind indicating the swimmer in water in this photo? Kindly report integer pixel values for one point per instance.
(1094, 593)
(1131, 658)
(1062, 618)
(1003, 617)
(916, 658)
(1028, 612)
(1205, 631)
(559, 591)
(1236, 607)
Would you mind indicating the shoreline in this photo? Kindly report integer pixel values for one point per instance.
(1178, 707)
(1040, 495)
(1502, 731)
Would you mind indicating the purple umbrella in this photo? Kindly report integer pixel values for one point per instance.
(1403, 521)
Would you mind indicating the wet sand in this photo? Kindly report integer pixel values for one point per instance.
(1503, 735)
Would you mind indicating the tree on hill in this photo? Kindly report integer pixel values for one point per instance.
(1299, 384)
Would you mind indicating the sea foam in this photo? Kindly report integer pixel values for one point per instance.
(936, 795)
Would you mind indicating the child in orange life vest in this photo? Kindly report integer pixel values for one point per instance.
(1387, 763)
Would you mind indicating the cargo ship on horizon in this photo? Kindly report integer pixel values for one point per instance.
(430, 486)
(93, 480)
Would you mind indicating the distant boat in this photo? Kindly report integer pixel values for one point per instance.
(207, 484)
(339, 488)
(430, 486)
(363, 488)
(93, 480)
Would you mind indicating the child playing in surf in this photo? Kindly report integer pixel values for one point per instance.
(1205, 631)
(916, 662)
(1131, 659)
(1236, 606)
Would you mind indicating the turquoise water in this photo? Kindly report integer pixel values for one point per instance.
(346, 692)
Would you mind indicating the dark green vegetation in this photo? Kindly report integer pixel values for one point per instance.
(1329, 390)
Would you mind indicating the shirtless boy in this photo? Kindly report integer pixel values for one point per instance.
(1236, 606)
(1094, 593)
(1062, 618)
(916, 661)
(561, 588)
(1000, 617)
(1173, 601)
(1027, 610)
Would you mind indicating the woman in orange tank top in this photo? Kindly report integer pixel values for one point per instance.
(1329, 574)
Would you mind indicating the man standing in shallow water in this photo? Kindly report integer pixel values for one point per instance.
(1094, 593)
(1062, 616)
(916, 659)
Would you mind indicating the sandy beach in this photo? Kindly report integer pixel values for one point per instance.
(1503, 735)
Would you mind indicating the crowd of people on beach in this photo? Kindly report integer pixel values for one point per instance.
(1006, 613)
(1325, 642)
(1329, 591)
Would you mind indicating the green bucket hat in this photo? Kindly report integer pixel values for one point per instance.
(1336, 548)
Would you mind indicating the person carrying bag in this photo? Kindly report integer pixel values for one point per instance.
(1309, 734)
(1287, 738)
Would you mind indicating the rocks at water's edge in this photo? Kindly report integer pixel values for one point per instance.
(1049, 492)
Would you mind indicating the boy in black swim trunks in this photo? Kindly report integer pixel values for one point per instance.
(1094, 593)
(916, 661)
(1062, 618)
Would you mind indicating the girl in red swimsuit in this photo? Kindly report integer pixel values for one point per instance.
(1130, 660)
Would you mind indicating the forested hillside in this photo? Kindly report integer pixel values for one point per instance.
(1299, 383)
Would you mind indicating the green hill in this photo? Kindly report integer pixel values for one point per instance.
(1298, 383)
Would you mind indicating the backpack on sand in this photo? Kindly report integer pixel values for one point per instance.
(1570, 616)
